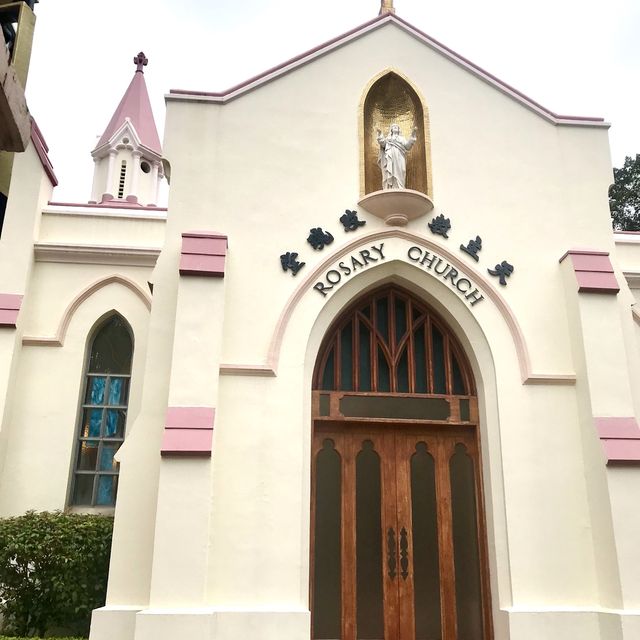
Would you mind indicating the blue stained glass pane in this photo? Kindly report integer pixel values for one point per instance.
(95, 391)
(95, 418)
(111, 425)
(106, 490)
(115, 391)
(107, 462)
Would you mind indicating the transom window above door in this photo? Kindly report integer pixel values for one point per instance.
(387, 347)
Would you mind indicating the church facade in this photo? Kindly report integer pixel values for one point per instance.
(373, 373)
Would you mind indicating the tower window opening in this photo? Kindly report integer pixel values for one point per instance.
(145, 166)
(123, 175)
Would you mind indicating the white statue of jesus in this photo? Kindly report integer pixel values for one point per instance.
(392, 158)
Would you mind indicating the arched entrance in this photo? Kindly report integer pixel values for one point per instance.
(398, 540)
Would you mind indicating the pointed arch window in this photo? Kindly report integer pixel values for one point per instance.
(390, 342)
(391, 356)
(103, 414)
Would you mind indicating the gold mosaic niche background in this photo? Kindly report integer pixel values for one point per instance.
(390, 100)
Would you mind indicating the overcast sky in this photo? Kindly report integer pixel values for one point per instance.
(575, 57)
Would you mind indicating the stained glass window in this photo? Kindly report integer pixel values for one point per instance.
(391, 342)
(103, 415)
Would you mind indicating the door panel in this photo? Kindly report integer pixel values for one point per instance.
(410, 559)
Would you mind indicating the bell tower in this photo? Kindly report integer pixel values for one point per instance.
(128, 156)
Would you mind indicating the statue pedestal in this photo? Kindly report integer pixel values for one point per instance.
(396, 206)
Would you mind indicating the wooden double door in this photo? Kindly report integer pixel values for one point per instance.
(398, 542)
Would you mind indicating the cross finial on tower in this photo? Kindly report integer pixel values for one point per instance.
(386, 6)
(140, 61)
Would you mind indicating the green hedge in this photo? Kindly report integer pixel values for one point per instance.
(53, 572)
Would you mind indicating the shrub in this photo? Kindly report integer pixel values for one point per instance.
(53, 571)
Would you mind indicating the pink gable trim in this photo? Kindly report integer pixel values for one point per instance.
(188, 431)
(620, 438)
(10, 304)
(203, 254)
(375, 23)
(594, 272)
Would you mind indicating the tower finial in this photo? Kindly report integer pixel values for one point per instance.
(386, 6)
(140, 61)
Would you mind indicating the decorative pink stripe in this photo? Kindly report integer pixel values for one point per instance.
(9, 308)
(197, 265)
(190, 418)
(8, 317)
(620, 438)
(10, 301)
(591, 262)
(596, 282)
(204, 246)
(186, 442)
(618, 428)
(188, 431)
(203, 254)
(594, 272)
(110, 204)
(622, 450)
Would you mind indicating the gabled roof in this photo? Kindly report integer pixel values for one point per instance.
(136, 106)
(378, 22)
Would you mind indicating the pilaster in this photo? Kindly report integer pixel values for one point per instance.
(603, 396)
(184, 497)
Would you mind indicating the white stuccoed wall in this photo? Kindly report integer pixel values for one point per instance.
(263, 169)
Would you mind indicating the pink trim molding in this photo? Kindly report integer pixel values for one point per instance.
(188, 431)
(620, 439)
(593, 270)
(371, 25)
(57, 340)
(10, 304)
(107, 204)
(203, 254)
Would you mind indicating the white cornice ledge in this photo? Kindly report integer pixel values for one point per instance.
(626, 237)
(96, 254)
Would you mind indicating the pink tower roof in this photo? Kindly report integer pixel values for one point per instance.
(136, 106)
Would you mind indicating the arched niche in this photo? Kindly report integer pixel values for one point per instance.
(391, 98)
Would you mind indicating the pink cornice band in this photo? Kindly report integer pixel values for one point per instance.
(109, 204)
(203, 254)
(188, 431)
(593, 270)
(10, 304)
(620, 438)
